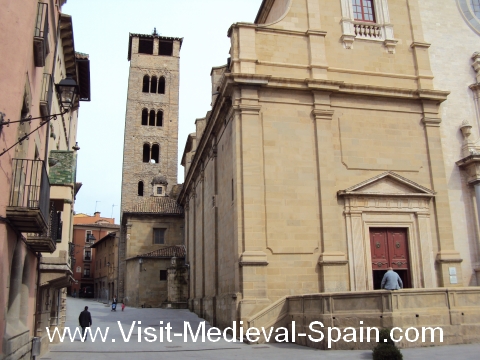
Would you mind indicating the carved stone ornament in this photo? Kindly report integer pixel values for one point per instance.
(466, 129)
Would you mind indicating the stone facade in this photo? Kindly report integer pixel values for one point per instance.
(456, 71)
(106, 267)
(136, 134)
(152, 221)
(325, 131)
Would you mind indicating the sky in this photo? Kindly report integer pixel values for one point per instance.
(101, 29)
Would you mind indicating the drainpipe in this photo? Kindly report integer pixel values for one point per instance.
(37, 300)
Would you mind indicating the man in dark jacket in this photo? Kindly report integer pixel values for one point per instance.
(391, 280)
(85, 321)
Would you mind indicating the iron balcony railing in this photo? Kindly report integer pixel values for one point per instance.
(54, 231)
(46, 94)
(40, 36)
(30, 186)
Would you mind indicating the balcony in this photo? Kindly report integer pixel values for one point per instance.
(87, 258)
(46, 94)
(46, 241)
(28, 207)
(40, 37)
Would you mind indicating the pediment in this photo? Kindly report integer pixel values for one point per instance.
(388, 184)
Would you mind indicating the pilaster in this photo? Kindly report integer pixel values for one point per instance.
(252, 260)
(333, 259)
(447, 254)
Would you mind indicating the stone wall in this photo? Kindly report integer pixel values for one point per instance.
(453, 71)
(455, 311)
(140, 233)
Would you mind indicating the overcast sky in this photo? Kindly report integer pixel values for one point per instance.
(101, 30)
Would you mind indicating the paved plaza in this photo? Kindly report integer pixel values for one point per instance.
(178, 349)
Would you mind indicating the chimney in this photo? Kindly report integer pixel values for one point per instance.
(97, 214)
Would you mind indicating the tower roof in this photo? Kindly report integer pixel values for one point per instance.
(161, 205)
(160, 179)
(149, 36)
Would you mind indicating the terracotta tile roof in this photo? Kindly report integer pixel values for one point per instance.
(157, 205)
(167, 252)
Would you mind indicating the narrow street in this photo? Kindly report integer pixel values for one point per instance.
(114, 343)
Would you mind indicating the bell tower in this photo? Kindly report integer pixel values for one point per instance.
(151, 120)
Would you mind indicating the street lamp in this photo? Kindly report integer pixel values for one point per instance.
(67, 93)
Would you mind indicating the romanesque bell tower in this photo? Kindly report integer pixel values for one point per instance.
(151, 120)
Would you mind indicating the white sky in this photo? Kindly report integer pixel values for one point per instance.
(101, 30)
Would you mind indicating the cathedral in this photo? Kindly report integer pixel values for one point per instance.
(342, 140)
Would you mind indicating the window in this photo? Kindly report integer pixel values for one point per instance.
(363, 10)
(151, 121)
(140, 188)
(153, 156)
(475, 4)
(159, 236)
(470, 10)
(367, 20)
(86, 272)
(165, 47)
(87, 255)
(160, 118)
(161, 85)
(159, 190)
(144, 117)
(155, 153)
(145, 46)
(153, 85)
(146, 153)
(163, 275)
(146, 83)
(88, 234)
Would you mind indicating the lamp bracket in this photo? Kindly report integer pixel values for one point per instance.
(45, 119)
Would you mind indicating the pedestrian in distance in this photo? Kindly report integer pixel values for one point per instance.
(114, 304)
(85, 321)
(123, 306)
(391, 280)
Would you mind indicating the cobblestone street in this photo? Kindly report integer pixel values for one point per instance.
(104, 318)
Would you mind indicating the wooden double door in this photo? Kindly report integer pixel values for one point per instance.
(389, 248)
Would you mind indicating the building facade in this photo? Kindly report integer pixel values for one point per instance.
(151, 219)
(106, 274)
(323, 162)
(87, 230)
(38, 161)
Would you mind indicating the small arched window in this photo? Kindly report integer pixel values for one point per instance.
(160, 118)
(151, 121)
(156, 153)
(153, 85)
(146, 81)
(161, 85)
(144, 117)
(146, 153)
(140, 188)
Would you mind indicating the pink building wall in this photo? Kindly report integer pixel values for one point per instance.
(17, 70)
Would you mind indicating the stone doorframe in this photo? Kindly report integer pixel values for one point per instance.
(388, 201)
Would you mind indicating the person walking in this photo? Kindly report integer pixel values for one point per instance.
(391, 280)
(85, 321)
(123, 306)
(114, 304)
